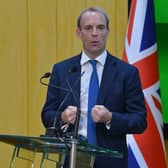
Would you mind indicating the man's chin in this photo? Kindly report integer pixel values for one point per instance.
(94, 53)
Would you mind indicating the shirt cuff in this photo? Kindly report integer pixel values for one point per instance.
(108, 124)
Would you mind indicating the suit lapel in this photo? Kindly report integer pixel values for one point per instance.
(107, 78)
(74, 79)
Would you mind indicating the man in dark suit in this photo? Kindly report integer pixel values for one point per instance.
(120, 107)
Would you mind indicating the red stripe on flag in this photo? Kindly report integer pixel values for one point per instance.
(131, 20)
(157, 104)
(125, 56)
(148, 69)
(150, 143)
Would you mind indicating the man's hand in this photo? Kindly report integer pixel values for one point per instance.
(101, 114)
(69, 115)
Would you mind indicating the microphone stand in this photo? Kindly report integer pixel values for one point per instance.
(73, 151)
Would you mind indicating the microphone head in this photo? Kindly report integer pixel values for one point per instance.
(46, 75)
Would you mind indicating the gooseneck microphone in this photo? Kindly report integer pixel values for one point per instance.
(47, 75)
(53, 131)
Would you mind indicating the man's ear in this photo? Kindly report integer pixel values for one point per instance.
(78, 33)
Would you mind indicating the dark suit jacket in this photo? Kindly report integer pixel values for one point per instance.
(120, 92)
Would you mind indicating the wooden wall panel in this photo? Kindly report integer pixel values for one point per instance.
(13, 87)
(120, 24)
(41, 55)
(68, 43)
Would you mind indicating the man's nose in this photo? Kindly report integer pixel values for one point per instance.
(94, 31)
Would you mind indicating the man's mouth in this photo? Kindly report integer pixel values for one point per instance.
(94, 42)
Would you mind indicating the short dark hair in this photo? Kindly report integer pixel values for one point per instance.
(93, 9)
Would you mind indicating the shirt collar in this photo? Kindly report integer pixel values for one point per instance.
(101, 58)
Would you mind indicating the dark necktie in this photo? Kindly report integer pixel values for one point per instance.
(92, 98)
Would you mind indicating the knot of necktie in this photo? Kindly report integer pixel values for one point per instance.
(93, 63)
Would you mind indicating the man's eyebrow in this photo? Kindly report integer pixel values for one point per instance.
(95, 25)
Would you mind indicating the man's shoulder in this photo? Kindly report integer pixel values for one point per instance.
(120, 63)
(66, 64)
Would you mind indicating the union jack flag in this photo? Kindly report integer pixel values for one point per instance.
(146, 150)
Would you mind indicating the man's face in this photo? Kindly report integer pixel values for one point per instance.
(93, 33)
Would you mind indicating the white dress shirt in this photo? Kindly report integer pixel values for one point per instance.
(86, 67)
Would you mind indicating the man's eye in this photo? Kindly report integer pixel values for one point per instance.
(101, 27)
(88, 27)
(98, 28)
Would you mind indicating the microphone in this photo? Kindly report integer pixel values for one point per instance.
(47, 75)
(53, 131)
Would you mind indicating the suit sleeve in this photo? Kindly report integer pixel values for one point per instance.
(50, 110)
(133, 119)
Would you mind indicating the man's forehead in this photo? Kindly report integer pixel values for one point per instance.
(91, 17)
(93, 14)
